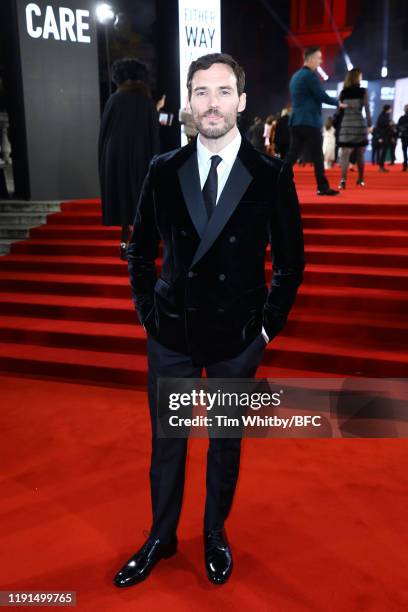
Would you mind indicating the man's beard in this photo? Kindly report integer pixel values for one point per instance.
(216, 131)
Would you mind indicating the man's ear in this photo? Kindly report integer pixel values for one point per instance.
(188, 106)
(242, 102)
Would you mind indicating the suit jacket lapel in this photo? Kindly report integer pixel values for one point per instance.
(190, 185)
(234, 189)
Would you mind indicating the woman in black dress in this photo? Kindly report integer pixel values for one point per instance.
(128, 139)
(353, 133)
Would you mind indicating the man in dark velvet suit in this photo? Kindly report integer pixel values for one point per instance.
(215, 204)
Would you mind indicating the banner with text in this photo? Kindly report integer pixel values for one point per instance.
(282, 408)
(199, 34)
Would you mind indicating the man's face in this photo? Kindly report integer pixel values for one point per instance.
(214, 100)
(315, 60)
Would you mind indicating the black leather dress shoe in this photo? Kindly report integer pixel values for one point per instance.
(141, 564)
(218, 557)
(328, 192)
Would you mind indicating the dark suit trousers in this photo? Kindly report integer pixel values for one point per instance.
(311, 137)
(385, 146)
(404, 145)
(168, 458)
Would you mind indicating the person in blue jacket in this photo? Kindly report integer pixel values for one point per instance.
(305, 121)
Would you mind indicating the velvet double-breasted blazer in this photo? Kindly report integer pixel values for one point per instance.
(210, 299)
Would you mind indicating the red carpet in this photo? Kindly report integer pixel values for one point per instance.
(317, 524)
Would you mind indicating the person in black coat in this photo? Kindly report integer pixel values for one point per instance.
(375, 147)
(255, 135)
(403, 134)
(385, 134)
(282, 134)
(128, 139)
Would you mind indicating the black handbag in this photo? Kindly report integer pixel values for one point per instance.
(338, 118)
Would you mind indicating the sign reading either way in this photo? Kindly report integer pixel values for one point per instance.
(199, 34)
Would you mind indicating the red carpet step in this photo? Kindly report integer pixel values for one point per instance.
(122, 337)
(116, 284)
(370, 257)
(315, 236)
(130, 370)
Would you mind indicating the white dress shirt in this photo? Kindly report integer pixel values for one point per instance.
(228, 155)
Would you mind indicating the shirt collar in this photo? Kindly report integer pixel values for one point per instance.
(228, 153)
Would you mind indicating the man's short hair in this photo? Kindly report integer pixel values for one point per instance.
(309, 51)
(387, 107)
(206, 61)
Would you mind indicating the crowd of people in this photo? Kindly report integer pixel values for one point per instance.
(345, 135)
(384, 138)
(272, 136)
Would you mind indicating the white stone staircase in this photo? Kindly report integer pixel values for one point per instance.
(17, 217)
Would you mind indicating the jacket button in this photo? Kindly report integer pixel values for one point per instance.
(183, 233)
(232, 238)
(191, 274)
(222, 277)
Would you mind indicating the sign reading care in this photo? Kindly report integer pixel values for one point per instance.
(199, 34)
(60, 23)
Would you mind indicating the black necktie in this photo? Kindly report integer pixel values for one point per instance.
(211, 186)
